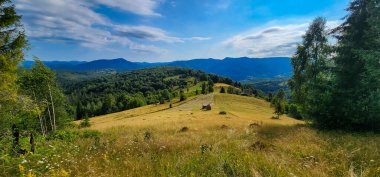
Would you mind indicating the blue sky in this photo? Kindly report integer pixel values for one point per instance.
(167, 30)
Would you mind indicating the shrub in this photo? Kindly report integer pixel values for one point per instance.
(184, 129)
(90, 134)
(85, 123)
(148, 135)
(63, 135)
(205, 148)
(222, 90)
(182, 97)
(294, 111)
(222, 112)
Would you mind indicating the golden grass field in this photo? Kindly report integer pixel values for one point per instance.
(185, 141)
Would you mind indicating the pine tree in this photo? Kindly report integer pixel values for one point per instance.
(204, 89)
(222, 90)
(12, 45)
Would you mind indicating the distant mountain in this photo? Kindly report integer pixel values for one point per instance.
(240, 68)
(55, 64)
(234, 68)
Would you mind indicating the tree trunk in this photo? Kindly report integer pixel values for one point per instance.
(39, 117)
(52, 107)
(51, 121)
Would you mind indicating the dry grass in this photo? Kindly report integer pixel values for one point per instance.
(150, 141)
(241, 112)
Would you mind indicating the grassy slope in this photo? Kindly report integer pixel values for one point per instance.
(147, 141)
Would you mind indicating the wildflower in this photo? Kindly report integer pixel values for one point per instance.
(40, 162)
(63, 173)
(31, 174)
(23, 161)
(21, 169)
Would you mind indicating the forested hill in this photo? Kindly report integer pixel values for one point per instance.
(234, 68)
(121, 91)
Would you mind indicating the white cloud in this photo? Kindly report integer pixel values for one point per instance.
(145, 32)
(75, 22)
(270, 41)
(140, 7)
(198, 38)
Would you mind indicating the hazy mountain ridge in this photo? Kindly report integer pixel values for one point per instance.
(235, 68)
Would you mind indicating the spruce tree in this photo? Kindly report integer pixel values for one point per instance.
(357, 68)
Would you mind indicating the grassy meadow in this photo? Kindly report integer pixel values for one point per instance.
(185, 141)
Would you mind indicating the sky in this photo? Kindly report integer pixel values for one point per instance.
(168, 30)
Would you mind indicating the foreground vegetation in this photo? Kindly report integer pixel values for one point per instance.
(185, 141)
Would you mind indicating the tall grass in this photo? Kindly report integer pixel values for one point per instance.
(286, 151)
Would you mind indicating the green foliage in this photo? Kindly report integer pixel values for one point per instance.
(182, 96)
(279, 103)
(85, 123)
(222, 90)
(357, 83)
(39, 83)
(70, 135)
(148, 135)
(118, 92)
(210, 87)
(90, 134)
(63, 135)
(204, 88)
(268, 85)
(339, 88)
(294, 111)
(270, 97)
(230, 90)
(13, 43)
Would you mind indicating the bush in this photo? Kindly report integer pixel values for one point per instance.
(63, 135)
(182, 97)
(222, 112)
(148, 135)
(90, 134)
(294, 111)
(85, 123)
(222, 90)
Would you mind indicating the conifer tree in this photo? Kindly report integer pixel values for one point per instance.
(12, 45)
(358, 68)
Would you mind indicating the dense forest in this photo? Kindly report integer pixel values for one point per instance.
(121, 91)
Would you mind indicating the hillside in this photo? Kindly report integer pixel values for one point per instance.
(98, 95)
(234, 68)
(241, 111)
(156, 140)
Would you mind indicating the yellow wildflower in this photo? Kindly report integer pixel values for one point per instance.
(30, 174)
(63, 173)
(21, 169)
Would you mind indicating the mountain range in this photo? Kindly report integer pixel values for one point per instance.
(235, 68)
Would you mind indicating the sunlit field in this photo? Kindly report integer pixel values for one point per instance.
(186, 141)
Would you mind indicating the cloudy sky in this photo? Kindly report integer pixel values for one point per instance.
(166, 30)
